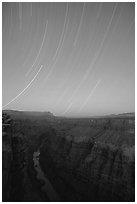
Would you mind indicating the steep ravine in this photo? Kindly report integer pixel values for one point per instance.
(19, 176)
(46, 187)
(83, 160)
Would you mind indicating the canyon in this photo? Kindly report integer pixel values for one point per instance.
(81, 159)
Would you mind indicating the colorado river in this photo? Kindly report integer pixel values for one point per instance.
(47, 186)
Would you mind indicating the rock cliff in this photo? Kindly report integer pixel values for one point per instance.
(84, 159)
(20, 138)
(98, 166)
(7, 157)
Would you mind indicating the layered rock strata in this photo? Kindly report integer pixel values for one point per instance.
(90, 169)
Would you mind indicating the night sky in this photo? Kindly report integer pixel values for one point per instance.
(72, 59)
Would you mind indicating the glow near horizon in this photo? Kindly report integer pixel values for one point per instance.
(80, 43)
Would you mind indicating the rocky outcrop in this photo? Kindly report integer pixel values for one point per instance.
(84, 159)
(13, 161)
(91, 170)
(20, 138)
(7, 157)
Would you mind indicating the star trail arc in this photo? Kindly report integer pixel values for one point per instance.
(77, 43)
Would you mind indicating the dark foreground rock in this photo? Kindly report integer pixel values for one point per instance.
(89, 171)
(84, 159)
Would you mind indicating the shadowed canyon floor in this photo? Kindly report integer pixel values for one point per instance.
(47, 158)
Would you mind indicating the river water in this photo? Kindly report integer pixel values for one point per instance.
(47, 186)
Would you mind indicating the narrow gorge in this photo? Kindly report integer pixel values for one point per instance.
(47, 158)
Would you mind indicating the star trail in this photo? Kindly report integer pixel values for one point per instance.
(39, 50)
(69, 58)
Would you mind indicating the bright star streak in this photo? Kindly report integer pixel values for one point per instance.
(118, 19)
(68, 108)
(101, 45)
(79, 28)
(92, 91)
(62, 34)
(55, 59)
(24, 88)
(96, 56)
(91, 94)
(98, 15)
(60, 99)
(39, 52)
(70, 100)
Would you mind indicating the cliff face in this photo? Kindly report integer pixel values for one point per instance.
(20, 138)
(91, 169)
(7, 157)
(13, 161)
(84, 159)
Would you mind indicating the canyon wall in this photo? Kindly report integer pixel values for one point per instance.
(7, 157)
(84, 159)
(13, 161)
(20, 138)
(99, 167)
